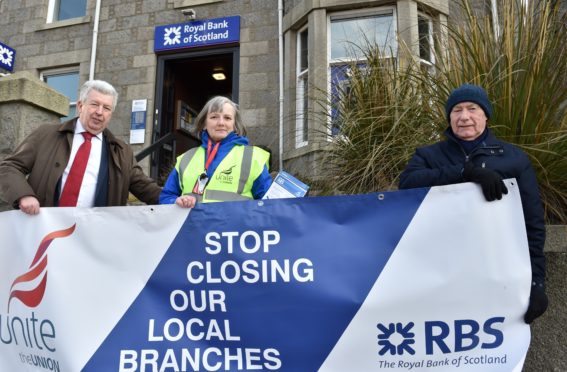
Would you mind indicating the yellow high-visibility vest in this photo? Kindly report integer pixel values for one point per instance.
(233, 178)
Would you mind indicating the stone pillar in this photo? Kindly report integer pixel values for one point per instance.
(26, 103)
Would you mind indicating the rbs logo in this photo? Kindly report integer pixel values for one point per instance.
(463, 334)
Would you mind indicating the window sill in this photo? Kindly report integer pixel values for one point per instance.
(186, 3)
(305, 150)
(65, 23)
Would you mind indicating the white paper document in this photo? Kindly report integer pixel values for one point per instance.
(286, 186)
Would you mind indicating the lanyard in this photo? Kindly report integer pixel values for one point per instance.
(211, 153)
(203, 179)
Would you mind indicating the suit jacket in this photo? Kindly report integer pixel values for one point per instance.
(43, 156)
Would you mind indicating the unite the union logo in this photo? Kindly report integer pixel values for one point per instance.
(32, 297)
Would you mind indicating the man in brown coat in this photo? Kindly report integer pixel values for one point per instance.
(36, 173)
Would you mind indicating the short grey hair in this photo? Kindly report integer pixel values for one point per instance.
(100, 86)
(216, 104)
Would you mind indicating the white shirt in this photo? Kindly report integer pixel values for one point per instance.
(88, 187)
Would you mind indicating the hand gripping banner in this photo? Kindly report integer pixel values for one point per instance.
(432, 279)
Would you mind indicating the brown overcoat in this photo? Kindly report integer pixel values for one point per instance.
(38, 162)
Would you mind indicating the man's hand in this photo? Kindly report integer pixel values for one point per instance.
(186, 201)
(538, 303)
(29, 205)
(492, 184)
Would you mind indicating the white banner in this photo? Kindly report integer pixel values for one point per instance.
(428, 279)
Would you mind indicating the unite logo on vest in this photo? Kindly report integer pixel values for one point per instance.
(225, 176)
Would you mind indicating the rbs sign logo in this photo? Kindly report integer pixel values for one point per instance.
(465, 334)
(462, 334)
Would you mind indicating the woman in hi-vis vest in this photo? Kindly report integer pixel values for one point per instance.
(224, 167)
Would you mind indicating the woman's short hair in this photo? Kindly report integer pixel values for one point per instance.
(100, 86)
(216, 104)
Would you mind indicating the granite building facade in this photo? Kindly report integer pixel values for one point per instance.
(278, 58)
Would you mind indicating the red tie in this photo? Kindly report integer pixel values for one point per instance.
(72, 186)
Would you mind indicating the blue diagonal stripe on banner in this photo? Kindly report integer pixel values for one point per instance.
(332, 248)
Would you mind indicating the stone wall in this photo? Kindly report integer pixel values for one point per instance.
(548, 350)
(25, 103)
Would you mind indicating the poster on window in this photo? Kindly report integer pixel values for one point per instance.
(186, 117)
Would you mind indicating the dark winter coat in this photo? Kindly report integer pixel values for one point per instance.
(43, 156)
(442, 164)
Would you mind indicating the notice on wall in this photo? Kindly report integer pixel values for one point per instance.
(138, 121)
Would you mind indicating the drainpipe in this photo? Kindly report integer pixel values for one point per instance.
(95, 38)
(281, 81)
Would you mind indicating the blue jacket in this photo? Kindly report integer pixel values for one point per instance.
(172, 190)
(442, 164)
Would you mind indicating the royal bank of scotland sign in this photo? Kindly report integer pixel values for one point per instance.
(197, 33)
(7, 57)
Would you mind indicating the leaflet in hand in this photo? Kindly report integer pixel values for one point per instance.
(286, 186)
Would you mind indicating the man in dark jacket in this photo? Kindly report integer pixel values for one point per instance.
(471, 153)
(37, 172)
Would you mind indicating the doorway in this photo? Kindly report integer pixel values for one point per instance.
(184, 84)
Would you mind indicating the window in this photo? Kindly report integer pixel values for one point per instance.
(425, 30)
(60, 10)
(302, 94)
(66, 82)
(350, 35)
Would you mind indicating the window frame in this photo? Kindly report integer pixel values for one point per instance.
(53, 8)
(359, 13)
(350, 14)
(71, 70)
(431, 41)
(302, 91)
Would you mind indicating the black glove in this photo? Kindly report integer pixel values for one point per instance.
(492, 185)
(538, 303)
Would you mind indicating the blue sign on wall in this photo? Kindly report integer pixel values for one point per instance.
(197, 33)
(7, 57)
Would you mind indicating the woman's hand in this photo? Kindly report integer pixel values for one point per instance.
(186, 201)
